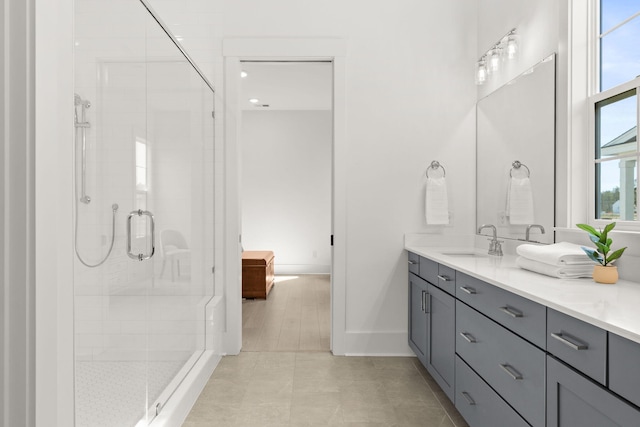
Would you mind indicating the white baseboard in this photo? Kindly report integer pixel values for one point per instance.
(292, 269)
(377, 344)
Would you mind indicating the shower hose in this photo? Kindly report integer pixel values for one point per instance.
(114, 209)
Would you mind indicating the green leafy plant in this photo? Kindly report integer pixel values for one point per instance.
(603, 244)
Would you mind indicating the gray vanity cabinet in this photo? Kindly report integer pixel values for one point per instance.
(624, 374)
(578, 344)
(575, 401)
(505, 360)
(418, 317)
(432, 320)
(512, 366)
(479, 404)
(441, 339)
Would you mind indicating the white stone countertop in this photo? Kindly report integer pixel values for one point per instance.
(615, 308)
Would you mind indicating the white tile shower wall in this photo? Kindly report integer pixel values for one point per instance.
(117, 303)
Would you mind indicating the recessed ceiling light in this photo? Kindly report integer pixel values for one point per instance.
(254, 100)
(243, 74)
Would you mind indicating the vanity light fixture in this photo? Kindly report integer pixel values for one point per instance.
(494, 58)
(512, 45)
(481, 72)
(490, 63)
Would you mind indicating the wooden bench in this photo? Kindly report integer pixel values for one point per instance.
(257, 273)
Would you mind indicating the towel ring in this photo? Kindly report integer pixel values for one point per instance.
(517, 165)
(436, 165)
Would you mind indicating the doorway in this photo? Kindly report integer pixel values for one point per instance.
(286, 173)
(240, 49)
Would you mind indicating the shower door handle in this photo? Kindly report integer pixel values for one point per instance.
(141, 257)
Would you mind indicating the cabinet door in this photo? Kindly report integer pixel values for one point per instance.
(441, 338)
(575, 401)
(418, 318)
(624, 376)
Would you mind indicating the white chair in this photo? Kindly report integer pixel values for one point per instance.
(173, 247)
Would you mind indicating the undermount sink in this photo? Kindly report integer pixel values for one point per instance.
(469, 254)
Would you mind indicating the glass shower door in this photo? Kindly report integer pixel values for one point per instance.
(171, 182)
(144, 143)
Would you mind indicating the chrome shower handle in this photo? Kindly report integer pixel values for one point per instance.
(141, 257)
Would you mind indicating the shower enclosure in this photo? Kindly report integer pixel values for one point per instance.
(144, 226)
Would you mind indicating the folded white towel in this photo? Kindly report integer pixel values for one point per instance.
(437, 201)
(558, 254)
(520, 201)
(566, 272)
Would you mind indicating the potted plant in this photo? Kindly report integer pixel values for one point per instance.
(604, 272)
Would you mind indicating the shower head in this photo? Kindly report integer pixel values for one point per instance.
(79, 101)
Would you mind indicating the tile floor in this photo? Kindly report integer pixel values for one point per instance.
(318, 389)
(282, 382)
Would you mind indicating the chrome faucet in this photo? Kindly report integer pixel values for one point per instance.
(529, 227)
(495, 247)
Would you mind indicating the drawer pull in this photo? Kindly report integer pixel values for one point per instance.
(469, 399)
(444, 278)
(468, 290)
(427, 302)
(511, 312)
(467, 336)
(423, 292)
(411, 262)
(573, 343)
(512, 372)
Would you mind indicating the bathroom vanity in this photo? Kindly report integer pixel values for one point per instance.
(513, 348)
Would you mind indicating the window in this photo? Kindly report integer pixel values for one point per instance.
(614, 105)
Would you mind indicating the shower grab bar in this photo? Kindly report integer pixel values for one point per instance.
(141, 257)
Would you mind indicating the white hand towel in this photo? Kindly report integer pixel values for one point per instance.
(437, 201)
(520, 201)
(566, 272)
(558, 254)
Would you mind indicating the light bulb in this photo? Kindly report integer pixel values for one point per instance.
(481, 72)
(512, 46)
(494, 61)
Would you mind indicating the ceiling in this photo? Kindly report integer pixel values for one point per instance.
(287, 86)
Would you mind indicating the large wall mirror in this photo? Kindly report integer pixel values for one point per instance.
(515, 155)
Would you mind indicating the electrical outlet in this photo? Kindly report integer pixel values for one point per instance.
(502, 218)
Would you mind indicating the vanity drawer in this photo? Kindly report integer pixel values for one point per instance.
(446, 279)
(524, 317)
(479, 404)
(581, 345)
(624, 375)
(429, 270)
(514, 367)
(414, 263)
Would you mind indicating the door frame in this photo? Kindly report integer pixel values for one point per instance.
(234, 51)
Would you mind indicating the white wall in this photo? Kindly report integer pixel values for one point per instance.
(410, 99)
(286, 181)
